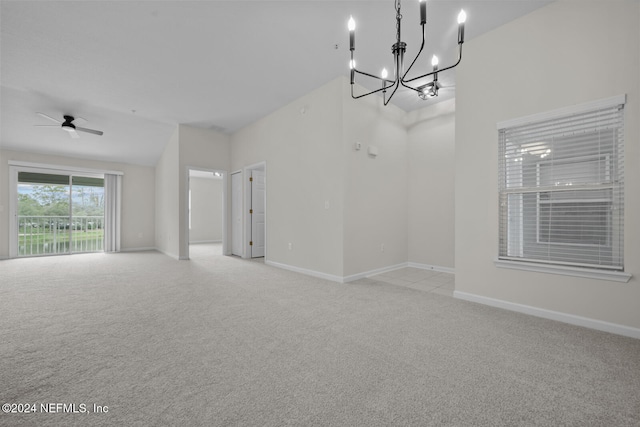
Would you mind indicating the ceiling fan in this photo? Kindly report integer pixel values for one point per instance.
(69, 126)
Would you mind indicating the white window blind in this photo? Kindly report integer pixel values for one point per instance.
(561, 184)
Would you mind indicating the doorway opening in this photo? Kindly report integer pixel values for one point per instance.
(206, 212)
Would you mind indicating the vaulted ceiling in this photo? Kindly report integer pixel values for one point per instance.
(136, 69)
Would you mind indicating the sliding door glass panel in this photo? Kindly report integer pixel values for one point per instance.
(44, 218)
(87, 214)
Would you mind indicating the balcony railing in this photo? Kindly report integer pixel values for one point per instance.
(50, 235)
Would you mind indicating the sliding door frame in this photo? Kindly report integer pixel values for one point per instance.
(15, 167)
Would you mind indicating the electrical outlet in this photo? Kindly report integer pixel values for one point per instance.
(290, 246)
(381, 247)
(326, 204)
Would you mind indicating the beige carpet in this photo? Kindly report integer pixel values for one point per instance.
(219, 341)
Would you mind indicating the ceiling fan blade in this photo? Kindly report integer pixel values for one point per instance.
(49, 117)
(95, 132)
(79, 120)
(47, 126)
(73, 134)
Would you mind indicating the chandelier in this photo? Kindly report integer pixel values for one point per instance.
(424, 91)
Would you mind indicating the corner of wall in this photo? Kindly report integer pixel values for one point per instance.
(167, 197)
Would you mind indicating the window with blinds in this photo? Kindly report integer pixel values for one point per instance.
(561, 184)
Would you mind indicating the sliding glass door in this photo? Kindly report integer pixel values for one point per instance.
(59, 214)
(87, 214)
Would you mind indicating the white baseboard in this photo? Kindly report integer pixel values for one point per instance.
(313, 273)
(198, 242)
(141, 249)
(552, 315)
(365, 274)
(432, 267)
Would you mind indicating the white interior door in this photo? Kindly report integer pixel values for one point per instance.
(236, 214)
(257, 213)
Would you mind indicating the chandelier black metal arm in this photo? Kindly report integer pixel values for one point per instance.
(394, 83)
(382, 89)
(402, 81)
(439, 70)
(398, 49)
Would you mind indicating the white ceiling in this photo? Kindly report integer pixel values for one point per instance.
(136, 69)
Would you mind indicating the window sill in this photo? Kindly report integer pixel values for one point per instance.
(614, 276)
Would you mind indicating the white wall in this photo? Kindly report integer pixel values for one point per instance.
(138, 197)
(431, 185)
(206, 210)
(560, 55)
(311, 161)
(302, 146)
(167, 192)
(375, 197)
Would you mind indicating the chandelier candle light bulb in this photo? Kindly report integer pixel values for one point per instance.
(384, 75)
(462, 16)
(434, 64)
(352, 33)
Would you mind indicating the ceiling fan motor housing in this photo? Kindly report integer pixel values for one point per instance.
(68, 125)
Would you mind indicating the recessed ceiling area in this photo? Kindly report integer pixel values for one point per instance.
(137, 69)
